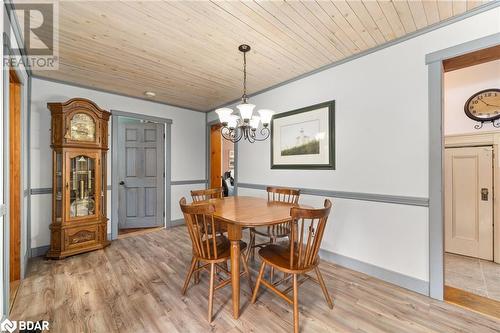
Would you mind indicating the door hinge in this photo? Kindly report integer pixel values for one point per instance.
(164, 135)
(163, 214)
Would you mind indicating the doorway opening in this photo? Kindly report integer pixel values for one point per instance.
(222, 161)
(140, 170)
(471, 130)
(15, 183)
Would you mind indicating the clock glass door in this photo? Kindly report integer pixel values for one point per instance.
(58, 185)
(82, 186)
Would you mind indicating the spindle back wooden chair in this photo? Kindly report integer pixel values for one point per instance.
(298, 257)
(207, 194)
(210, 193)
(209, 249)
(274, 232)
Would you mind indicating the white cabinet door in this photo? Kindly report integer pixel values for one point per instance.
(469, 201)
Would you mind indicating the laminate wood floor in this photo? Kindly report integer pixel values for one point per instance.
(134, 286)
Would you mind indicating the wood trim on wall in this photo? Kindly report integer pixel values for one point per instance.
(472, 59)
(484, 139)
(15, 176)
(215, 156)
(374, 197)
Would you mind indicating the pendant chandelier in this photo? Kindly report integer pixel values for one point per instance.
(245, 125)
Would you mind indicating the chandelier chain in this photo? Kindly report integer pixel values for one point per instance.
(244, 97)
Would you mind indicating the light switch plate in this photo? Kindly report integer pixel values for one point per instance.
(3, 209)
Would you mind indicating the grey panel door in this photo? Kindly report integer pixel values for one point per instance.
(141, 173)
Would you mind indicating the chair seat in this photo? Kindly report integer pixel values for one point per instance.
(271, 232)
(223, 249)
(278, 255)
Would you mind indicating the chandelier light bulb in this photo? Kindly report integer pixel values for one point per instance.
(246, 111)
(224, 114)
(265, 116)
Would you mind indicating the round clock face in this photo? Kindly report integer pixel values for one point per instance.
(484, 105)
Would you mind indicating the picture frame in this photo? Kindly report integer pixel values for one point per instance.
(304, 138)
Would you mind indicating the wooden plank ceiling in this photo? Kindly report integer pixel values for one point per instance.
(186, 52)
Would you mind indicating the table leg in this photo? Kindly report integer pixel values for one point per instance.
(234, 235)
(235, 276)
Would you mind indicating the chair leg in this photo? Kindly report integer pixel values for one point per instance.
(323, 287)
(211, 292)
(247, 271)
(251, 247)
(295, 304)
(271, 273)
(257, 284)
(197, 274)
(190, 273)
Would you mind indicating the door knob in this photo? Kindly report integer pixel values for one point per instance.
(484, 194)
(121, 183)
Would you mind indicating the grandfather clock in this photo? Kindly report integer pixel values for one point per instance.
(79, 147)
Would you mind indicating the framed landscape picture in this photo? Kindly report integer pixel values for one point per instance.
(304, 138)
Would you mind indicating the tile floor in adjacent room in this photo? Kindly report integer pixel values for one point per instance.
(474, 275)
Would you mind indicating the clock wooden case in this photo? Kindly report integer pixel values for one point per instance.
(79, 147)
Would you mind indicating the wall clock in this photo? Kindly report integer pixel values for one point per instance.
(484, 106)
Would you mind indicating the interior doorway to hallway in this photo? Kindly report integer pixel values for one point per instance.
(222, 161)
(471, 175)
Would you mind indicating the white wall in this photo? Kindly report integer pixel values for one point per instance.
(381, 146)
(188, 144)
(461, 84)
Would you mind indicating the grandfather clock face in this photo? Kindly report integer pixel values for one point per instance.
(82, 128)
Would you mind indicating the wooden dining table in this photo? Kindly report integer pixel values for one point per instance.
(239, 212)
